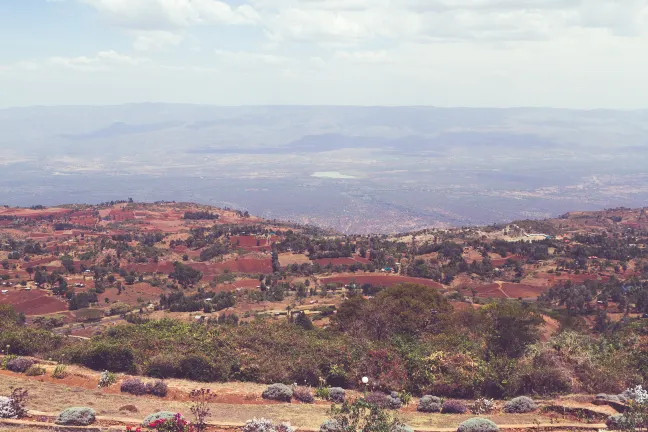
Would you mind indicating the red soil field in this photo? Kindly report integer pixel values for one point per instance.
(509, 290)
(131, 293)
(381, 280)
(34, 302)
(501, 261)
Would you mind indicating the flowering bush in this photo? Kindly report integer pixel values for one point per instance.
(482, 406)
(637, 394)
(106, 379)
(20, 364)
(151, 418)
(265, 425)
(158, 388)
(6, 408)
(133, 386)
(174, 424)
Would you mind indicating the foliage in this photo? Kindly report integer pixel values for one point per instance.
(520, 405)
(76, 416)
(35, 370)
(393, 401)
(429, 404)
(482, 406)
(303, 394)
(361, 416)
(160, 415)
(336, 394)
(200, 399)
(265, 425)
(106, 379)
(185, 275)
(174, 424)
(635, 416)
(453, 407)
(279, 392)
(133, 386)
(158, 388)
(478, 424)
(59, 371)
(6, 408)
(20, 364)
(322, 392)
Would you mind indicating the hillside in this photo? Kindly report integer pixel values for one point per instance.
(188, 292)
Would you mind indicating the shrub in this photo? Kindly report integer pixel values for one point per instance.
(453, 407)
(322, 392)
(35, 371)
(482, 406)
(17, 403)
(478, 424)
(158, 388)
(76, 416)
(200, 406)
(378, 399)
(331, 425)
(393, 401)
(429, 404)
(520, 405)
(106, 379)
(20, 364)
(265, 425)
(160, 415)
(133, 386)
(279, 392)
(163, 366)
(106, 356)
(6, 408)
(174, 424)
(200, 368)
(336, 394)
(615, 422)
(304, 394)
(400, 427)
(59, 371)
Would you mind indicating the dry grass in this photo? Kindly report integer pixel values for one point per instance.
(53, 398)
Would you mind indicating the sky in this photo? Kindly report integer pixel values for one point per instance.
(478, 53)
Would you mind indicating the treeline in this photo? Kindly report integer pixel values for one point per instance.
(202, 301)
(200, 215)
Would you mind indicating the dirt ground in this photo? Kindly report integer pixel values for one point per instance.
(52, 397)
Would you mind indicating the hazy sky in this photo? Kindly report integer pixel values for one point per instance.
(559, 53)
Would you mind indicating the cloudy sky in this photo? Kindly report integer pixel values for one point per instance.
(557, 53)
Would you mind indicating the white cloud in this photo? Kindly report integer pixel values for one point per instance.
(364, 56)
(156, 40)
(247, 59)
(103, 61)
(165, 14)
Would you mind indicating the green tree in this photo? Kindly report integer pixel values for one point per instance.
(185, 275)
(509, 327)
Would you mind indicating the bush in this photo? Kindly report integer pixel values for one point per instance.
(478, 424)
(76, 416)
(429, 404)
(393, 401)
(20, 364)
(279, 392)
(331, 425)
(6, 408)
(482, 406)
(59, 371)
(36, 371)
(104, 356)
(18, 402)
(322, 392)
(615, 422)
(106, 379)
(133, 386)
(160, 415)
(265, 425)
(163, 367)
(378, 399)
(158, 388)
(520, 405)
(304, 394)
(336, 394)
(200, 368)
(453, 407)
(400, 427)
